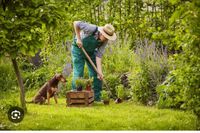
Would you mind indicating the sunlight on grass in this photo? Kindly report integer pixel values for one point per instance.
(125, 116)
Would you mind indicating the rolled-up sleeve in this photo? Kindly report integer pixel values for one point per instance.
(86, 27)
(101, 50)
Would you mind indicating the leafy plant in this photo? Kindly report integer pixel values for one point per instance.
(120, 92)
(183, 91)
(150, 70)
(89, 81)
(118, 59)
(104, 95)
(80, 83)
(31, 20)
(112, 81)
(89, 84)
(7, 78)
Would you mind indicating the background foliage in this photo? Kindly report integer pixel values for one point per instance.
(157, 45)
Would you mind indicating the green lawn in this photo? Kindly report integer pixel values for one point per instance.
(125, 116)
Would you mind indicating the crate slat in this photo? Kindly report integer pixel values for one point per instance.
(79, 98)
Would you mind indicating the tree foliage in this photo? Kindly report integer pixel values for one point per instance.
(182, 87)
(24, 24)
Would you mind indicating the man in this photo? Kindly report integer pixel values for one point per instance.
(94, 39)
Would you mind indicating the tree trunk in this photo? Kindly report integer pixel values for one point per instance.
(21, 86)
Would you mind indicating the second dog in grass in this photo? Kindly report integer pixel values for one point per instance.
(48, 90)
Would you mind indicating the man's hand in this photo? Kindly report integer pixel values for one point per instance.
(77, 31)
(99, 69)
(100, 76)
(79, 43)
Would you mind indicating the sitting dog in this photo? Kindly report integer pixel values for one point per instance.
(48, 90)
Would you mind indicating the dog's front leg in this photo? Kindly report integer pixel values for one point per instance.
(55, 95)
(55, 98)
(48, 98)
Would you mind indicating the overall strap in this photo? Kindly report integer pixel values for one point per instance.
(95, 31)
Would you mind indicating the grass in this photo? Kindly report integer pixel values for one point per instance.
(125, 116)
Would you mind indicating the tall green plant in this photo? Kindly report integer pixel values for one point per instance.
(23, 25)
(117, 60)
(184, 90)
(150, 70)
(120, 91)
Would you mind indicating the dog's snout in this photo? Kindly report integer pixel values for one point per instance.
(64, 80)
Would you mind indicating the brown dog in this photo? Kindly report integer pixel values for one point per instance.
(48, 90)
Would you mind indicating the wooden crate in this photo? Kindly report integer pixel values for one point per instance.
(80, 98)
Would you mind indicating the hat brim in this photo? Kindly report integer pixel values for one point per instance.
(112, 38)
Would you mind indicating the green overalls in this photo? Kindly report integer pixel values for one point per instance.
(90, 43)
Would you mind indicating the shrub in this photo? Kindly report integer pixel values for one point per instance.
(120, 92)
(118, 59)
(104, 95)
(8, 79)
(182, 87)
(112, 81)
(150, 70)
(54, 58)
(35, 79)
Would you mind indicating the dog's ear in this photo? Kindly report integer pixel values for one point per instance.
(58, 75)
(62, 77)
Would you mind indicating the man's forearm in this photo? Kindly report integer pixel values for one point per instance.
(99, 67)
(77, 30)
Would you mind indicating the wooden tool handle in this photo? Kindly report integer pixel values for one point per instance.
(93, 65)
(89, 59)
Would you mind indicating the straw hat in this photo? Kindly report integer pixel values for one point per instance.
(108, 31)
